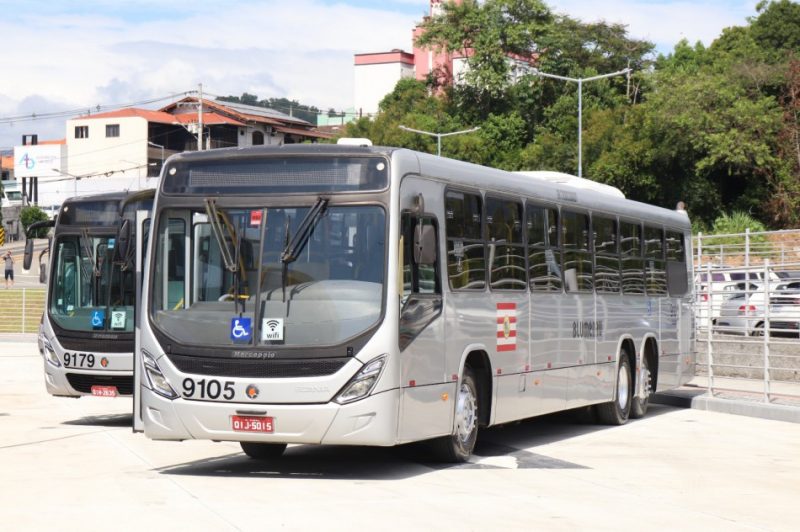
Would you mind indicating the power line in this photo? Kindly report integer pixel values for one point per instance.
(88, 109)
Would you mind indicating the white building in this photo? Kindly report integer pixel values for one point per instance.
(125, 149)
(376, 74)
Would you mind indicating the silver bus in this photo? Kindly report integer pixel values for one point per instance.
(86, 336)
(330, 294)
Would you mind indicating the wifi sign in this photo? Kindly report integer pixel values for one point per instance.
(271, 329)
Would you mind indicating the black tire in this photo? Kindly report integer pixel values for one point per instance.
(458, 447)
(639, 405)
(616, 412)
(263, 451)
(758, 330)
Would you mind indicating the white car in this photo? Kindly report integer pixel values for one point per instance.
(744, 312)
(710, 296)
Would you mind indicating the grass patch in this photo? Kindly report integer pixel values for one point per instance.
(21, 309)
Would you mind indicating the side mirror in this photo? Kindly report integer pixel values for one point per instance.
(424, 244)
(122, 242)
(28, 257)
(43, 266)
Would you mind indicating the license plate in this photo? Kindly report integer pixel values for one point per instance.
(104, 391)
(252, 424)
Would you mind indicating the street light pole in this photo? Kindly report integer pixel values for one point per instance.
(75, 179)
(580, 81)
(438, 135)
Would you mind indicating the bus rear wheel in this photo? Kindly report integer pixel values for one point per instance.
(616, 412)
(263, 451)
(645, 382)
(459, 445)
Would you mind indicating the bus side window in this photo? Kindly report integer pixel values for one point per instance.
(506, 249)
(466, 265)
(421, 300)
(655, 268)
(606, 250)
(577, 252)
(171, 272)
(677, 273)
(544, 255)
(632, 263)
(418, 278)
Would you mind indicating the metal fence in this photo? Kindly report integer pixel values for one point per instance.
(747, 315)
(21, 309)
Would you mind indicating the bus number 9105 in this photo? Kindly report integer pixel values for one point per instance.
(208, 389)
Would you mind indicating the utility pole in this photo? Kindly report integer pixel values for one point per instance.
(200, 118)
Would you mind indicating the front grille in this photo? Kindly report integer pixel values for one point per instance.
(83, 383)
(96, 345)
(231, 367)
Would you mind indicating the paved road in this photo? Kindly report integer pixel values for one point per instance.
(75, 465)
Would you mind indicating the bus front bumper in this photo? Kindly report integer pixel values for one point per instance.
(370, 421)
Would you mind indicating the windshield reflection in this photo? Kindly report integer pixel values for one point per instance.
(331, 291)
(90, 293)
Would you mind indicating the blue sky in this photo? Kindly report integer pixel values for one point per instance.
(61, 55)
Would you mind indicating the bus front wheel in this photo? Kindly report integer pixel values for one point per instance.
(616, 412)
(458, 446)
(263, 451)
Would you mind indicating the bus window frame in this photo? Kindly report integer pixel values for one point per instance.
(506, 199)
(482, 239)
(580, 211)
(616, 254)
(548, 246)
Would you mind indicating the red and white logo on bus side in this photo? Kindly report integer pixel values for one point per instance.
(506, 326)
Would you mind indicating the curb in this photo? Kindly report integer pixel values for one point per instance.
(701, 401)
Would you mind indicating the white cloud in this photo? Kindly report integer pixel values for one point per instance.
(109, 52)
(300, 50)
(663, 22)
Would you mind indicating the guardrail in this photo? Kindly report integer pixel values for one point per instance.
(21, 309)
(748, 331)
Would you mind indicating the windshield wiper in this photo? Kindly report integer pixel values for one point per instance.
(87, 248)
(298, 241)
(300, 238)
(228, 254)
(231, 257)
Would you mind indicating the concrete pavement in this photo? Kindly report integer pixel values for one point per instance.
(70, 464)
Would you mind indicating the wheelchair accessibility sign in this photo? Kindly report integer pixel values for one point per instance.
(241, 330)
(98, 319)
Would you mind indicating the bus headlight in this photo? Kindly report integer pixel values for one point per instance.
(158, 382)
(364, 381)
(50, 353)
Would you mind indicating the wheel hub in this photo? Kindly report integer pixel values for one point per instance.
(624, 384)
(466, 410)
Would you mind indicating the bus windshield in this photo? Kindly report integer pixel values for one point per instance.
(89, 292)
(228, 282)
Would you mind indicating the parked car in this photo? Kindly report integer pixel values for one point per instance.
(784, 311)
(722, 285)
(744, 312)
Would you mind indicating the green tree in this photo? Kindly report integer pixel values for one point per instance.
(29, 215)
(284, 105)
(777, 27)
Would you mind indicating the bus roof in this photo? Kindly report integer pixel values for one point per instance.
(552, 187)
